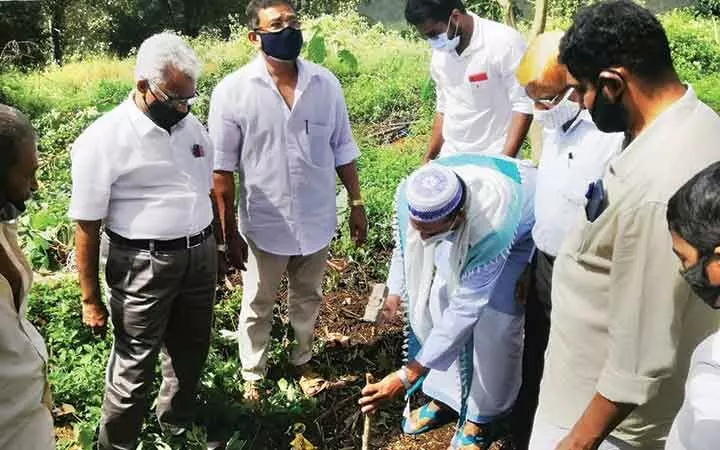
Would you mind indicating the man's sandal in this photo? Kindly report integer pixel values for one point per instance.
(426, 418)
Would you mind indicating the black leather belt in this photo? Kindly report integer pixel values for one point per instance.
(163, 246)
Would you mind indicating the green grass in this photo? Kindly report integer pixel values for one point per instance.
(389, 85)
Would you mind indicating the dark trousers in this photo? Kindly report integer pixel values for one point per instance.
(160, 303)
(537, 331)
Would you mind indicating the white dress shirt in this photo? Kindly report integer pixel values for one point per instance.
(570, 161)
(477, 91)
(697, 425)
(143, 182)
(286, 157)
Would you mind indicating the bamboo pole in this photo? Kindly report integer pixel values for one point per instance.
(368, 423)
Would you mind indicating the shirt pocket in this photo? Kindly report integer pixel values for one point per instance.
(318, 148)
(479, 82)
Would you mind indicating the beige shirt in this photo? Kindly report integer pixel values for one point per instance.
(25, 419)
(623, 321)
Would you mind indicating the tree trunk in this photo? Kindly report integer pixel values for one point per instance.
(508, 15)
(540, 20)
(57, 31)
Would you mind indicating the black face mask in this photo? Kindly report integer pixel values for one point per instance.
(696, 277)
(608, 117)
(164, 115)
(284, 45)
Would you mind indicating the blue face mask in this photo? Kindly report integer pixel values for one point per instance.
(442, 42)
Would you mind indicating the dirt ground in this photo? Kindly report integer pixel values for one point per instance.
(373, 349)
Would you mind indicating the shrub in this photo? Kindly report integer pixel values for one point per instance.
(708, 7)
(696, 52)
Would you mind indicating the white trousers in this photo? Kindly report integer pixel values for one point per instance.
(546, 436)
(260, 283)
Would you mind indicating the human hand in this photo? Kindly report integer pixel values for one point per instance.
(94, 314)
(358, 225)
(237, 251)
(374, 394)
(390, 309)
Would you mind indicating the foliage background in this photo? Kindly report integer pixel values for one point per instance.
(390, 100)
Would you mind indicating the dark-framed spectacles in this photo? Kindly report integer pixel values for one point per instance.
(172, 100)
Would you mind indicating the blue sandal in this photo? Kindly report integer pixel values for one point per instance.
(494, 435)
(427, 419)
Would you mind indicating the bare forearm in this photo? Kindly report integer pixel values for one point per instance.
(349, 177)
(519, 127)
(598, 421)
(436, 139)
(224, 195)
(87, 254)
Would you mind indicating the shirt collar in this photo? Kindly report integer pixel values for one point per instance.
(476, 40)
(306, 72)
(141, 122)
(634, 153)
(583, 117)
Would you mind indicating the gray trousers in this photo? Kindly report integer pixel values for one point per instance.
(160, 302)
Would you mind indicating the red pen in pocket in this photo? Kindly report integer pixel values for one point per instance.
(478, 77)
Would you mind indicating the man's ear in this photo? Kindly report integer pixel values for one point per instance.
(253, 37)
(142, 86)
(713, 269)
(612, 83)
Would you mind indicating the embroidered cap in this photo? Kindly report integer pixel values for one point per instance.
(433, 192)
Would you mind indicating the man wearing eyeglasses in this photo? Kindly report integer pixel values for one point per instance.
(281, 122)
(575, 154)
(624, 322)
(144, 172)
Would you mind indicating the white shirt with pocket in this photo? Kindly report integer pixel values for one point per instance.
(144, 182)
(570, 161)
(286, 157)
(697, 425)
(477, 91)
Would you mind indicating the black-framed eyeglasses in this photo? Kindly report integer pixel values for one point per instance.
(172, 100)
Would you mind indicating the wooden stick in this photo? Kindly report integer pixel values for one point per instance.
(367, 424)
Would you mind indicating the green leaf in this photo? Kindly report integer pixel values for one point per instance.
(316, 50)
(85, 433)
(349, 60)
(282, 384)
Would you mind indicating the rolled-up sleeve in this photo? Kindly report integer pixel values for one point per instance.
(343, 145)
(225, 133)
(648, 301)
(92, 178)
(512, 55)
(449, 335)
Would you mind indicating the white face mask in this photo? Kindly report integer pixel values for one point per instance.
(443, 43)
(437, 238)
(558, 115)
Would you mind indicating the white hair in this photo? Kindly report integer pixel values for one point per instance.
(164, 50)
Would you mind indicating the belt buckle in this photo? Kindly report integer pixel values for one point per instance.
(187, 242)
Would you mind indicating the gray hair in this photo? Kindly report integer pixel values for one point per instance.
(164, 50)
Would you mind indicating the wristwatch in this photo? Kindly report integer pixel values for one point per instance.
(222, 248)
(355, 203)
(403, 375)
